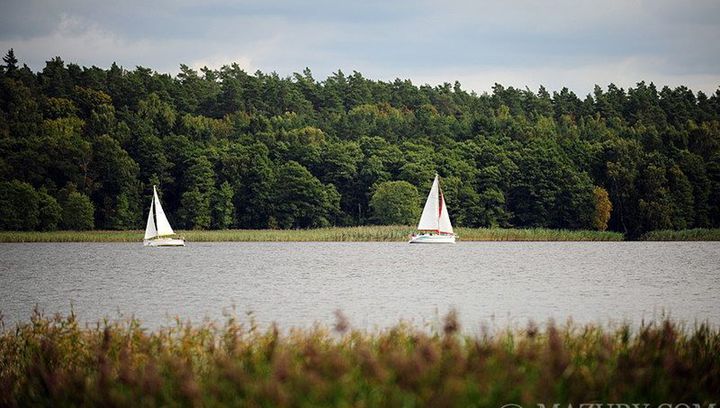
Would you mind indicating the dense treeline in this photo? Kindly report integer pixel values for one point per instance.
(81, 148)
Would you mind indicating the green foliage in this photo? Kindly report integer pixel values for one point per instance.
(603, 208)
(24, 208)
(395, 203)
(222, 207)
(302, 201)
(195, 211)
(56, 108)
(548, 191)
(115, 187)
(249, 170)
(10, 61)
(19, 206)
(200, 175)
(78, 212)
(509, 158)
(50, 212)
(123, 216)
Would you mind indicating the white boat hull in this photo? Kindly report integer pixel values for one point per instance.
(164, 242)
(433, 239)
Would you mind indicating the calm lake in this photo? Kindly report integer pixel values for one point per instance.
(375, 284)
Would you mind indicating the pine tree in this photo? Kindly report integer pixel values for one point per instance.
(10, 61)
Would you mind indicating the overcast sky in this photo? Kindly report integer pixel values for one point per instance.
(520, 43)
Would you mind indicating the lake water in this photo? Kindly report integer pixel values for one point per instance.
(375, 284)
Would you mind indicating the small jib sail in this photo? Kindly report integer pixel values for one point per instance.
(150, 230)
(435, 215)
(163, 228)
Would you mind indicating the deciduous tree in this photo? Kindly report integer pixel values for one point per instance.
(395, 203)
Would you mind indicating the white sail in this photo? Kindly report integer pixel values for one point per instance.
(150, 231)
(444, 224)
(163, 226)
(429, 218)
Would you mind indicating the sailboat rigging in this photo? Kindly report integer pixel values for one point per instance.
(158, 231)
(434, 225)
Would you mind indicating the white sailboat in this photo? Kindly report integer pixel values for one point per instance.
(434, 225)
(160, 235)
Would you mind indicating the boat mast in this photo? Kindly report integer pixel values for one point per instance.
(444, 224)
(440, 201)
(163, 225)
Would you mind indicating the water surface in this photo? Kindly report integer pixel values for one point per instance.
(375, 284)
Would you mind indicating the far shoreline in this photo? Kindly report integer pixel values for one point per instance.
(375, 233)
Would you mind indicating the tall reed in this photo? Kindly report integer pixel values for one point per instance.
(55, 361)
(388, 233)
(696, 234)
(535, 234)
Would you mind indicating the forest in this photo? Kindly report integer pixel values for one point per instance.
(81, 148)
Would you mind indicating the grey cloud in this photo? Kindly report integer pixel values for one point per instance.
(548, 42)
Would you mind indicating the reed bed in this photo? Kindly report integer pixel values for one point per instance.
(71, 236)
(380, 233)
(391, 233)
(696, 234)
(56, 361)
(535, 234)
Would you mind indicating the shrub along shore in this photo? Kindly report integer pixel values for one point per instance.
(696, 234)
(58, 362)
(338, 234)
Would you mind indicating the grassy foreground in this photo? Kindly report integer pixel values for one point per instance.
(56, 362)
(340, 234)
(696, 234)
